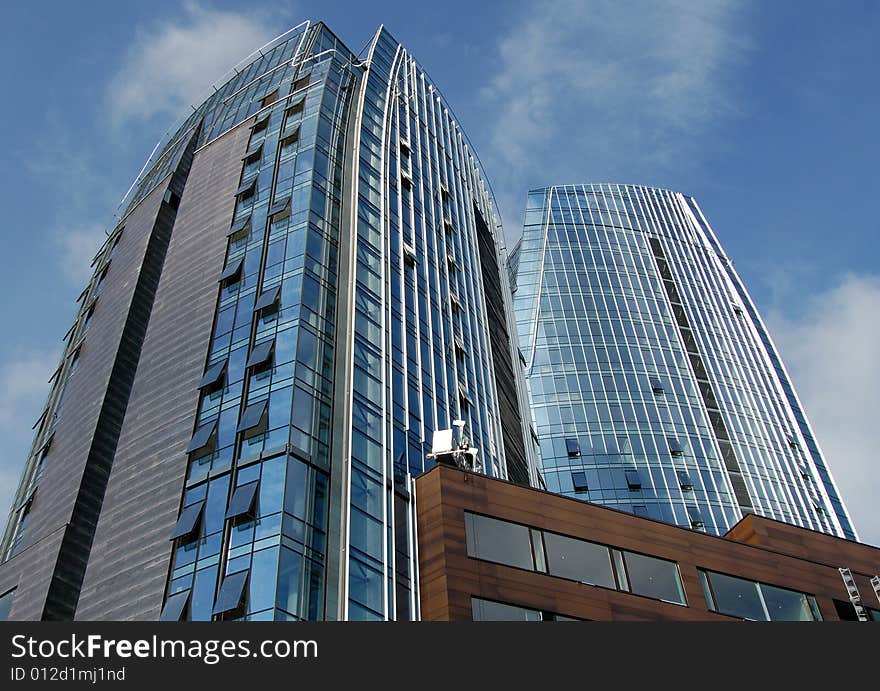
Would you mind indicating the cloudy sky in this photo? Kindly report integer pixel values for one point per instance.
(766, 112)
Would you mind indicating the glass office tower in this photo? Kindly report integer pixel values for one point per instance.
(307, 281)
(654, 384)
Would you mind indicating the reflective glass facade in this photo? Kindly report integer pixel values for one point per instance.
(654, 385)
(351, 324)
(361, 303)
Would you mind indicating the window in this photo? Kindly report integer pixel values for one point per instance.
(188, 521)
(230, 597)
(43, 451)
(261, 124)
(214, 376)
(247, 188)
(90, 312)
(253, 154)
(695, 516)
(675, 446)
(301, 83)
(653, 577)
(657, 386)
(269, 98)
(640, 510)
(231, 273)
(23, 511)
(578, 560)
(280, 208)
(487, 610)
(261, 354)
(573, 447)
(684, 480)
(175, 606)
(203, 437)
(296, 107)
(6, 604)
(734, 596)
(499, 541)
(268, 299)
(242, 502)
(747, 599)
(633, 479)
(290, 136)
(455, 302)
(254, 416)
(579, 480)
(788, 605)
(101, 278)
(240, 227)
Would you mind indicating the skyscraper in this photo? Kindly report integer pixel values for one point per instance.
(653, 381)
(306, 282)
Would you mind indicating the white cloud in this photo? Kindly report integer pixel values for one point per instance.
(76, 248)
(81, 189)
(607, 90)
(23, 382)
(172, 64)
(832, 351)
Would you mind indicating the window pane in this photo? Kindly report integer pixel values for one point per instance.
(786, 605)
(231, 591)
(736, 596)
(174, 606)
(499, 541)
(579, 560)
(6, 604)
(486, 610)
(289, 581)
(188, 520)
(654, 577)
(202, 597)
(263, 581)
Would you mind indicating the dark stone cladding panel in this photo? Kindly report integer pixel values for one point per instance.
(502, 356)
(59, 489)
(125, 578)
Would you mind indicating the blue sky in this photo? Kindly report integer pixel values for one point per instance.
(766, 112)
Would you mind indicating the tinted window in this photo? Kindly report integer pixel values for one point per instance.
(743, 598)
(578, 560)
(6, 605)
(174, 607)
(654, 577)
(736, 596)
(787, 605)
(499, 541)
(486, 610)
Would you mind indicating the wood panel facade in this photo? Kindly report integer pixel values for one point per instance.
(758, 549)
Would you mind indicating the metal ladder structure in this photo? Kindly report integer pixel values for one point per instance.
(853, 592)
(875, 583)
